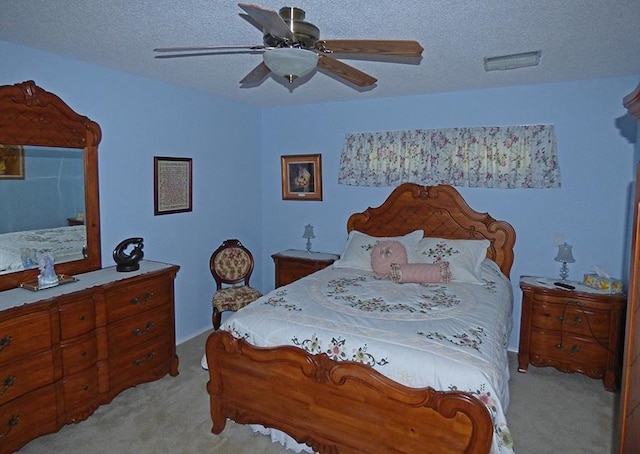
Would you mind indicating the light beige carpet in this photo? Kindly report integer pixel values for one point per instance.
(550, 412)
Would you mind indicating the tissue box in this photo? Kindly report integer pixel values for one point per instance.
(603, 283)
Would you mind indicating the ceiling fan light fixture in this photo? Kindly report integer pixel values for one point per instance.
(512, 61)
(290, 62)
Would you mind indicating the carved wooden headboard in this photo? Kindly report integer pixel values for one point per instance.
(442, 213)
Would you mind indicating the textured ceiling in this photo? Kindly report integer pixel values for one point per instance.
(579, 39)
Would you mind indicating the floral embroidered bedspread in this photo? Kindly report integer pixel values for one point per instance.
(447, 336)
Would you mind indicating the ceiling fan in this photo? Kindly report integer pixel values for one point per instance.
(292, 48)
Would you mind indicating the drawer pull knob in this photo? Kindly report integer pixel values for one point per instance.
(7, 383)
(577, 320)
(5, 342)
(142, 362)
(147, 297)
(85, 388)
(141, 332)
(83, 353)
(81, 317)
(11, 423)
(574, 348)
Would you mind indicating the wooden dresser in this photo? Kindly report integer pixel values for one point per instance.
(572, 330)
(292, 264)
(65, 351)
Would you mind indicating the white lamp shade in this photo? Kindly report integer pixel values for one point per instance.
(565, 253)
(290, 62)
(308, 232)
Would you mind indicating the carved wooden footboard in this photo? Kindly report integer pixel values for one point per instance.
(338, 407)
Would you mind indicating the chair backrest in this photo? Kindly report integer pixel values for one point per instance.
(231, 263)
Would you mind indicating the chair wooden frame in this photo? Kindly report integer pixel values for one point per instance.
(216, 318)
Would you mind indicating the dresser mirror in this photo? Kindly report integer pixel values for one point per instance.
(48, 185)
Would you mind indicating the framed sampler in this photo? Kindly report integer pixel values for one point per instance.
(172, 185)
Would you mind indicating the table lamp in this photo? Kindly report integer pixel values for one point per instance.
(565, 256)
(308, 234)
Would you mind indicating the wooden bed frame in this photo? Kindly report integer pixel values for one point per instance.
(347, 407)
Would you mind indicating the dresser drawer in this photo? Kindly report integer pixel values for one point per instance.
(27, 417)
(23, 335)
(20, 377)
(77, 318)
(149, 361)
(79, 355)
(567, 348)
(134, 331)
(137, 298)
(570, 318)
(80, 390)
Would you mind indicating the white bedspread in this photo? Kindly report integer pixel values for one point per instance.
(63, 243)
(447, 336)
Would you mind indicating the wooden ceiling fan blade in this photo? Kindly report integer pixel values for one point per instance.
(270, 20)
(402, 48)
(256, 76)
(344, 71)
(252, 21)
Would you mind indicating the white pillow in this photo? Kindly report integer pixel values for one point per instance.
(357, 252)
(464, 256)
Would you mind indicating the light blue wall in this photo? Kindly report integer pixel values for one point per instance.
(236, 153)
(140, 119)
(590, 209)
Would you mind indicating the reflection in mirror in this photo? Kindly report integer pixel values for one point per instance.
(43, 208)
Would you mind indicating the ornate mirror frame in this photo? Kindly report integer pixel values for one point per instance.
(30, 115)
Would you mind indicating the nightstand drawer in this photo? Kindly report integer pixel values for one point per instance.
(292, 265)
(293, 270)
(570, 318)
(565, 348)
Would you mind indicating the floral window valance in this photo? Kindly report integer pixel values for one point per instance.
(490, 157)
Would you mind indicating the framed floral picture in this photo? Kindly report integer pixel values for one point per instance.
(11, 162)
(301, 177)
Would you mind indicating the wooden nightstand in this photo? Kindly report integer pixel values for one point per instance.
(572, 330)
(292, 264)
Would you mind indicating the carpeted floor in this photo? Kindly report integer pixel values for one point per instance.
(550, 412)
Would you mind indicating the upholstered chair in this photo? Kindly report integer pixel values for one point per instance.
(231, 266)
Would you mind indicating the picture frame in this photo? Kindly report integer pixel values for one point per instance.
(11, 162)
(301, 177)
(172, 185)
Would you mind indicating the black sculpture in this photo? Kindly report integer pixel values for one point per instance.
(128, 261)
